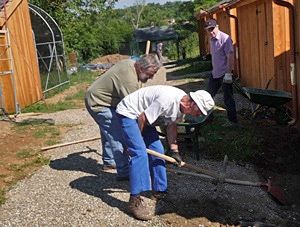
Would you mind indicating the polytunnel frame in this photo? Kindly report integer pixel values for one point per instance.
(53, 51)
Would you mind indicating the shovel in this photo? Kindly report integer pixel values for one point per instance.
(275, 191)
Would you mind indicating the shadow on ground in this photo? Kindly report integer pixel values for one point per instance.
(77, 162)
(186, 202)
(100, 185)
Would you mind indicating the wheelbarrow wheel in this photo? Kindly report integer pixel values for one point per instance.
(283, 115)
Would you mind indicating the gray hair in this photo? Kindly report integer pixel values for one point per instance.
(149, 60)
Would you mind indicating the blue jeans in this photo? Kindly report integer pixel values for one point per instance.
(146, 172)
(213, 87)
(112, 139)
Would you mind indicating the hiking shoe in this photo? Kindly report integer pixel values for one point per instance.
(138, 208)
(158, 195)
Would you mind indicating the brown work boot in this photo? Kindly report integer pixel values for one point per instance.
(138, 208)
(158, 195)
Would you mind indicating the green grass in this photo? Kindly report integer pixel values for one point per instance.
(192, 67)
(50, 108)
(40, 130)
(51, 142)
(31, 161)
(70, 101)
(50, 133)
(46, 131)
(76, 78)
(53, 79)
(237, 143)
(38, 160)
(24, 154)
(83, 77)
(77, 96)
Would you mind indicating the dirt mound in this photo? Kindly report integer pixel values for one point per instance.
(112, 58)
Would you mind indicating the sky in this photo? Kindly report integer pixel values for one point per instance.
(126, 3)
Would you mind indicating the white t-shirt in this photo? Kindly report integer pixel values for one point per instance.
(155, 101)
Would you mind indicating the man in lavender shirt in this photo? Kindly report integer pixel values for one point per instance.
(221, 50)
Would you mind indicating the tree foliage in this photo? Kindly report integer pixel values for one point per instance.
(204, 4)
(94, 27)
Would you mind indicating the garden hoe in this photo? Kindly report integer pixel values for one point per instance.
(274, 191)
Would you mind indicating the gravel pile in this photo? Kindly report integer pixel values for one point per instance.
(72, 190)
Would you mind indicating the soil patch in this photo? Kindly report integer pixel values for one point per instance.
(66, 93)
(12, 142)
(19, 153)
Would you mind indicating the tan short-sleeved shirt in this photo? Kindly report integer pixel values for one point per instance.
(111, 87)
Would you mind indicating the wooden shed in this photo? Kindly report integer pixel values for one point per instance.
(20, 83)
(266, 38)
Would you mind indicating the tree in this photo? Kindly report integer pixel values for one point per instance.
(94, 27)
(204, 4)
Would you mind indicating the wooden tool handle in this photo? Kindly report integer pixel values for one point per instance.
(69, 143)
(226, 180)
(183, 164)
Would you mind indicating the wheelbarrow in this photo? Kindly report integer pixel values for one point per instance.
(268, 98)
(189, 129)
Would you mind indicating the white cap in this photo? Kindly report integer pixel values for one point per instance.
(203, 100)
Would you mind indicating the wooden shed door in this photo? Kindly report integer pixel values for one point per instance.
(254, 44)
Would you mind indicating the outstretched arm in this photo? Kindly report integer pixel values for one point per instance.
(172, 140)
(172, 136)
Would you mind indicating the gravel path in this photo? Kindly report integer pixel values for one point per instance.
(73, 191)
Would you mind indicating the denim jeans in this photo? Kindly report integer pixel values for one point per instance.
(213, 87)
(112, 139)
(146, 172)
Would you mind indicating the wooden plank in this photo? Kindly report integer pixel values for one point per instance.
(10, 10)
(232, 26)
(263, 43)
(24, 56)
(6, 82)
(280, 50)
(270, 50)
(25, 60)
(223, 22)
(35, 79)
(245, 3)
(249, 52)
(15, 28)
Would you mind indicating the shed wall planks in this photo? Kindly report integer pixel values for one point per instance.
(264, 43)
(26, 71)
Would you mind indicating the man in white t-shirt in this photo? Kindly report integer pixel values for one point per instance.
(137, 113)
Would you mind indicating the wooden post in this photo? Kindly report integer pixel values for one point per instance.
(148, 47)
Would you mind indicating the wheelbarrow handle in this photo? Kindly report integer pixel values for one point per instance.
(184, 164)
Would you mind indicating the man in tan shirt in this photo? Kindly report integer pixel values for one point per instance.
(102, 98)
